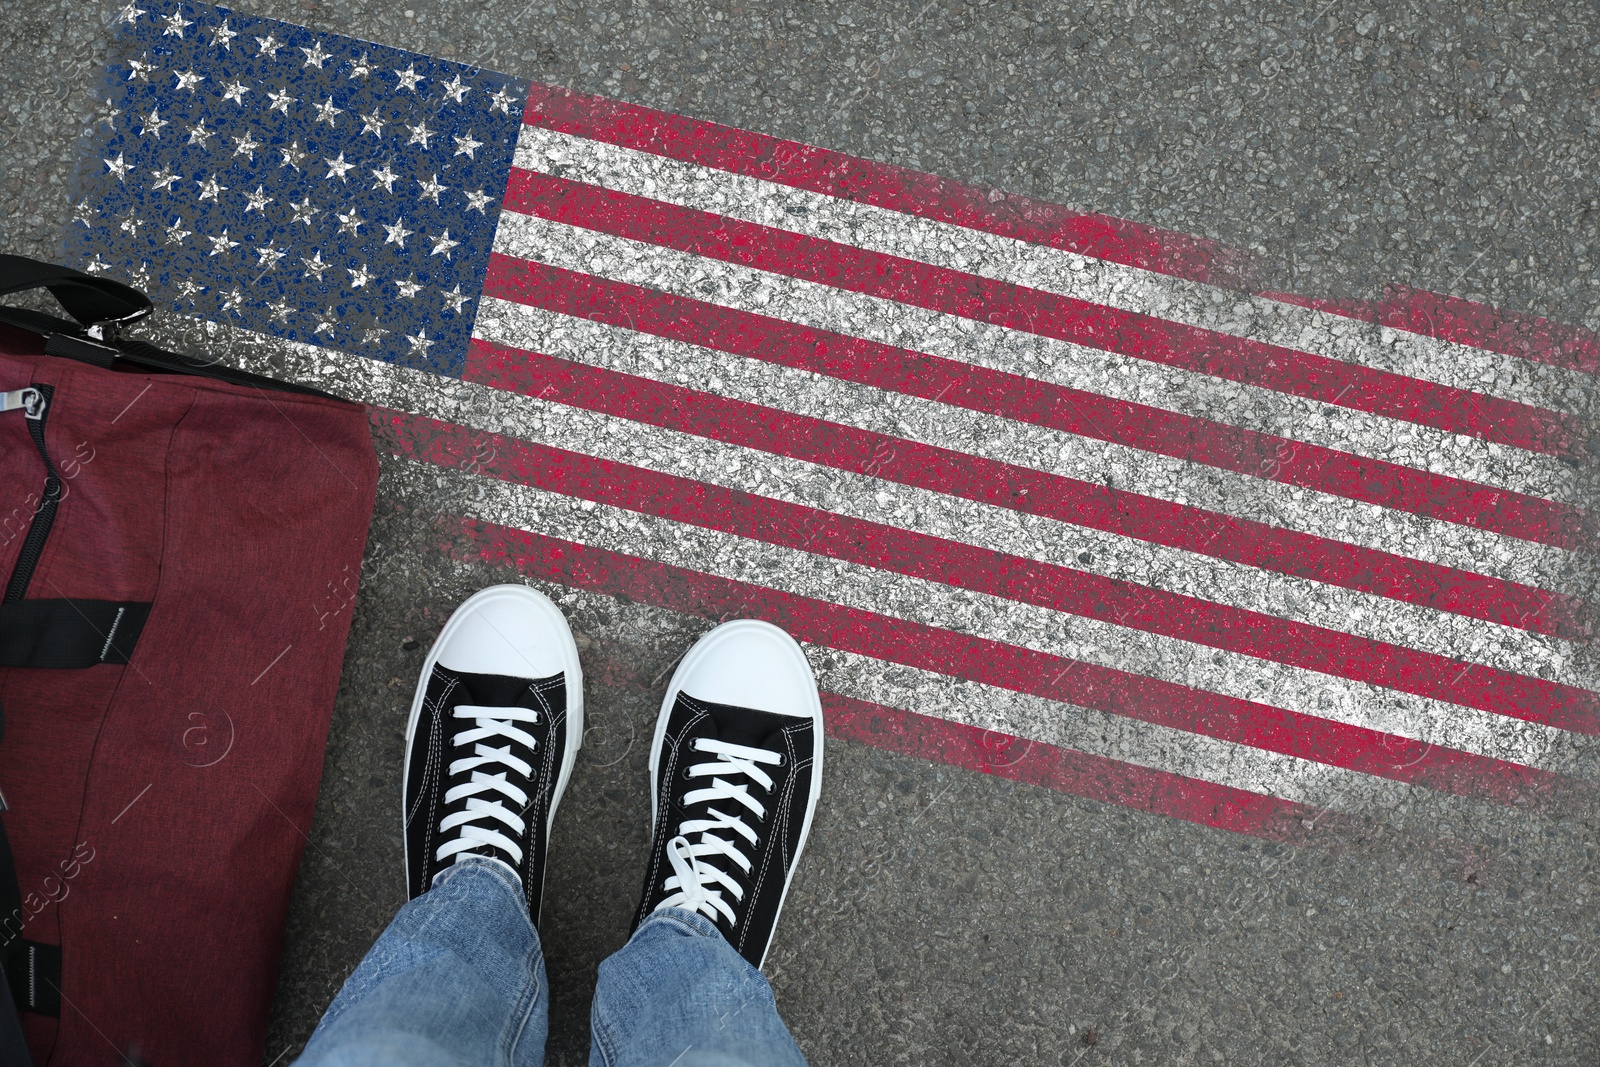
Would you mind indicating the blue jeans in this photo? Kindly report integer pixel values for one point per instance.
(458, 979)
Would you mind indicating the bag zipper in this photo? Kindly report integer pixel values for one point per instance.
(34, 403)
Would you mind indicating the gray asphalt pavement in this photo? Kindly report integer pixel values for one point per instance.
(1445, 146)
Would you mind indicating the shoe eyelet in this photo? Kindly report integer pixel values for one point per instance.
(686, 775)
(781, 760)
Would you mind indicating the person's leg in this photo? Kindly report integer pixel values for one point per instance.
(736, 769)
(677, 993)
(458, 977)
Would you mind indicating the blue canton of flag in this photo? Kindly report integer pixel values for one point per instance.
(298, 183)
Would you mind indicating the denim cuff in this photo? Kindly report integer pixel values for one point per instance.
(692, 921)
(468, 867)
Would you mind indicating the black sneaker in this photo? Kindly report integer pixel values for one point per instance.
(494, 732)
(735, 770)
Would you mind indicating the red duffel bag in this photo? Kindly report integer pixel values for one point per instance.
(179, 547)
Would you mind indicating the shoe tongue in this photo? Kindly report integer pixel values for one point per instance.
(742, 726)
(494, 690)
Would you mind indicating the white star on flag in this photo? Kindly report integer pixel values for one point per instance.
(466, 146)
(235, 91)
(175, 24)
(431, 189)
(442, 245)
(222, 37)
(209, 188)
(408, 288)
(456, 89)
(245, 146)
(269, 46)
(257, 201)
(118, 167)
(220, 245)
(454, 299)
(397, 233)
(188, 79)
(315, 56)
(386, 178)
(315, 266)
(419, 134)
(153, 123)
(337, 168)
(409, 79)
(199, 133)
(326, 112)
(165, 179)
(269, 255)
(281, 100)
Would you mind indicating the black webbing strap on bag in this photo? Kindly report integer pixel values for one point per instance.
(69, 634)
(102, 307)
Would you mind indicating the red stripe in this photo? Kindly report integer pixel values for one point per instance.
(1067, 770)
(1186, 618)
(1074, 411)
(1021, 670)
(1467, 322)
(1034, 311)
(803, 166)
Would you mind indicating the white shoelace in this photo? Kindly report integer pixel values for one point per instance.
(487, 792)
(700, 883)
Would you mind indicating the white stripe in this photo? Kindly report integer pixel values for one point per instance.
(1052, 270)
(1094, 370)
(1105, 644)
(1088, 459)
(730, 556)
(940, 515)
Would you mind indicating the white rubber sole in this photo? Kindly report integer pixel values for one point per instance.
(703, 649)
(541, 605)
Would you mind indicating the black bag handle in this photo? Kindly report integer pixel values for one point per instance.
(90, 299)
(102, 306)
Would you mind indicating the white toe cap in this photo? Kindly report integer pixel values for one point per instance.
(508, 630)
(750, 664)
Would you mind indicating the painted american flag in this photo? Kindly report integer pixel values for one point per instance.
(1048, 495)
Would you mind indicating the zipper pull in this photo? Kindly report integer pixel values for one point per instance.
(30, 400)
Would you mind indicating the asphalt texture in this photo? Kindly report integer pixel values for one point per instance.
(942, 916)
